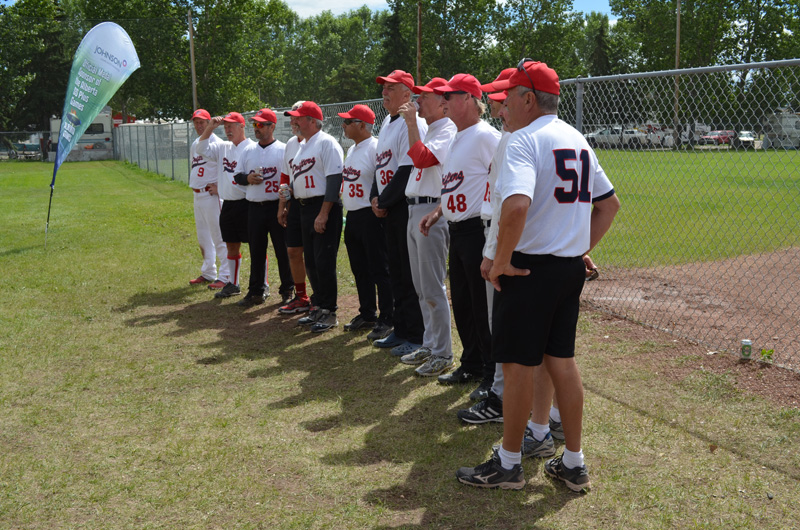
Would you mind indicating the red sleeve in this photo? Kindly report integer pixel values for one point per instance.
(284, 178)
(422, 156)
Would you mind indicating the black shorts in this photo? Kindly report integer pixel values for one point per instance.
(233, 221)
(294, 235)
(537, 314)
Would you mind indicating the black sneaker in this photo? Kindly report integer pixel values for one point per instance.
(489, 409)
(326, 320)
(576, 479)
(380, 331)
(251, 299)
(556, 430)
(286, 297)
(491, 474)
(311, 318)
(459, 376)
(482, 392)
(359, 323)
(228, 291)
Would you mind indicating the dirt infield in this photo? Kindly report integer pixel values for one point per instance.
(717, 303)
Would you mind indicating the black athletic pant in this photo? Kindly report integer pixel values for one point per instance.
(262, 221)
(468, 294)
(320, 250)
(369, 261)
(407, 319)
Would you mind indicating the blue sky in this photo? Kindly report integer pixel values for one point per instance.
(307, 8)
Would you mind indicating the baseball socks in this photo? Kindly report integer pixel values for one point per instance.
(233, 267)
(555, 415)
(572, 459)
(508, 459)
(300, 290)
(539, 431)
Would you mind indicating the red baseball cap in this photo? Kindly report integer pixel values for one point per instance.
(308, 108)
(234, 117)
(359, 112)
(430, 85)
(265, 116)
(202, 114)
(462, 83)
(398, 76)
(499, 96)
(505, 74)
(543, 78)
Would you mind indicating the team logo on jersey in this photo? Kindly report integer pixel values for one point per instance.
(268, 172)
(304, 166)
(229, 166)
(350, 174)
(383, 159)
(198, 161)
(452, 181)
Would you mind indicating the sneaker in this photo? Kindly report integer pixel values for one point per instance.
(415, 357)
(228, 291)
(404, 349)
(326, 320)
(557, 430)
(217, 284)
(310, 319)
(296, 305)
(359, 323)
(489, 409)
(380, 331)
(458, 376)
(576, 479)
(482, 392)
(491, 474)
(287, 297)
(251, 299)
(435, 365)
(531, 447)
(390, 341)
(199, 280)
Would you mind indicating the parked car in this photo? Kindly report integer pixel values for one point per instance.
(745, 140)
(718, 137)
(617, 137)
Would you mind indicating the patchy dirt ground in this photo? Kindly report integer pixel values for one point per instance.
(715, 303)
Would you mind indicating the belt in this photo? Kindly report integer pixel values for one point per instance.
(422, 200)
(467, 224)
(487, 223)
(200, 190)
(310, 200)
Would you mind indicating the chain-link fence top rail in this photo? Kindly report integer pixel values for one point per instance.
(705, 165)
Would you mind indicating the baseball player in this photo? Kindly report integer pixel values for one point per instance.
(289, 218)
(316, 181)
(363, 232)
(388, 200)
(203, 181)
(233, 217)
(557, 203)
(464, 177)
(428, 252)
(262, 163)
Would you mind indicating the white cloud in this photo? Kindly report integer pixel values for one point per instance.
(308, 8)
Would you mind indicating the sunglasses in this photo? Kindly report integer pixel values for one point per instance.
(521, 68)
(260, 125)
(350, 121)
(448, 95)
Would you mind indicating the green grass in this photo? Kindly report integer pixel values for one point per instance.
(130, 400)
(680, 207)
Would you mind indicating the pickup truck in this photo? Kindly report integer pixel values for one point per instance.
(617, 137)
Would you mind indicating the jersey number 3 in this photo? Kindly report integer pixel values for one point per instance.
(579, 189)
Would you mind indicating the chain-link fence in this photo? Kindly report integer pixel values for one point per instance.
(705, 165)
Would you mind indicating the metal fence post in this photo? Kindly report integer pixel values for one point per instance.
(579, 105)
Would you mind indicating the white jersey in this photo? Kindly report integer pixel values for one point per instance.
(359, 174)
(203, 170)
(392, 150)
(228, 158)
(552, 163)
(427, 182)
(292, 146)
(270, 160)
(319, 156)
(494, 202)
(466, 171)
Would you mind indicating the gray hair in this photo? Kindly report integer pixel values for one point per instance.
(547, 102)
(368, 126)
(317, 122)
